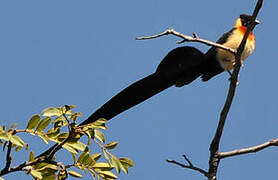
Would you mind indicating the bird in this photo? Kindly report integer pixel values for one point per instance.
(180, 67)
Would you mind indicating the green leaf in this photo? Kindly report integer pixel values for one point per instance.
(67, 109)
(73, 157)
(17, 140)
(89, 137)
(33, 122)
(4, 135)
(96, 156)
(92, 172)
(44, 138)
(70, 149)
(75, 174)
(81, 157)
(99, 135)
(78, 145)
(52, 112)
(106, 157)
(103, 166)
(75, 116)
(111, 145)
(43, 124)
(31, 156)
(59, 119)
(116, 163)
(108, 174)
(53, 132)
(36, 174)
(127, 161)
(61, 137)
(125, 164)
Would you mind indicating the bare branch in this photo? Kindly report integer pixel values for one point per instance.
(186, 38)
(8, 159)
(253, 149)
(190, 166)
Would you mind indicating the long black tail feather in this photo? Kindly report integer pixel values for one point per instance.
(181, 64)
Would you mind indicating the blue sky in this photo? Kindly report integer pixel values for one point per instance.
(84, 52)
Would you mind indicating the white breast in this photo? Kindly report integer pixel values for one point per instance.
(227, 59)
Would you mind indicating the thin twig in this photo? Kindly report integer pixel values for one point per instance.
(22, 166)
(8, 159)
(186, 38)
(190, 166)
(214, 147)
(253, 149)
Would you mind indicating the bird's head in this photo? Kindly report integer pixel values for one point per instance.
(244, 20)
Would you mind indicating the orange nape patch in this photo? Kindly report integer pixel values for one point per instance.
(243, 29)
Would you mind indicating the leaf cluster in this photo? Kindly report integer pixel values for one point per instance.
(59, 125)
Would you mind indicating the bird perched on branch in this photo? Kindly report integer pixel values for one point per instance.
(180, 67)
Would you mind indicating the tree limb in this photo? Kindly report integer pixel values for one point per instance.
(187, 38)
(252, 149)
(214, 147)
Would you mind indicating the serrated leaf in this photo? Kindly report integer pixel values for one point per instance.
(17, 140)
(96, 156)
(33, 122)
(111, 145)
(108, 174)
(36, 174)
(75, 174)
(99, 135)
(31, 156)
(43, 124)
